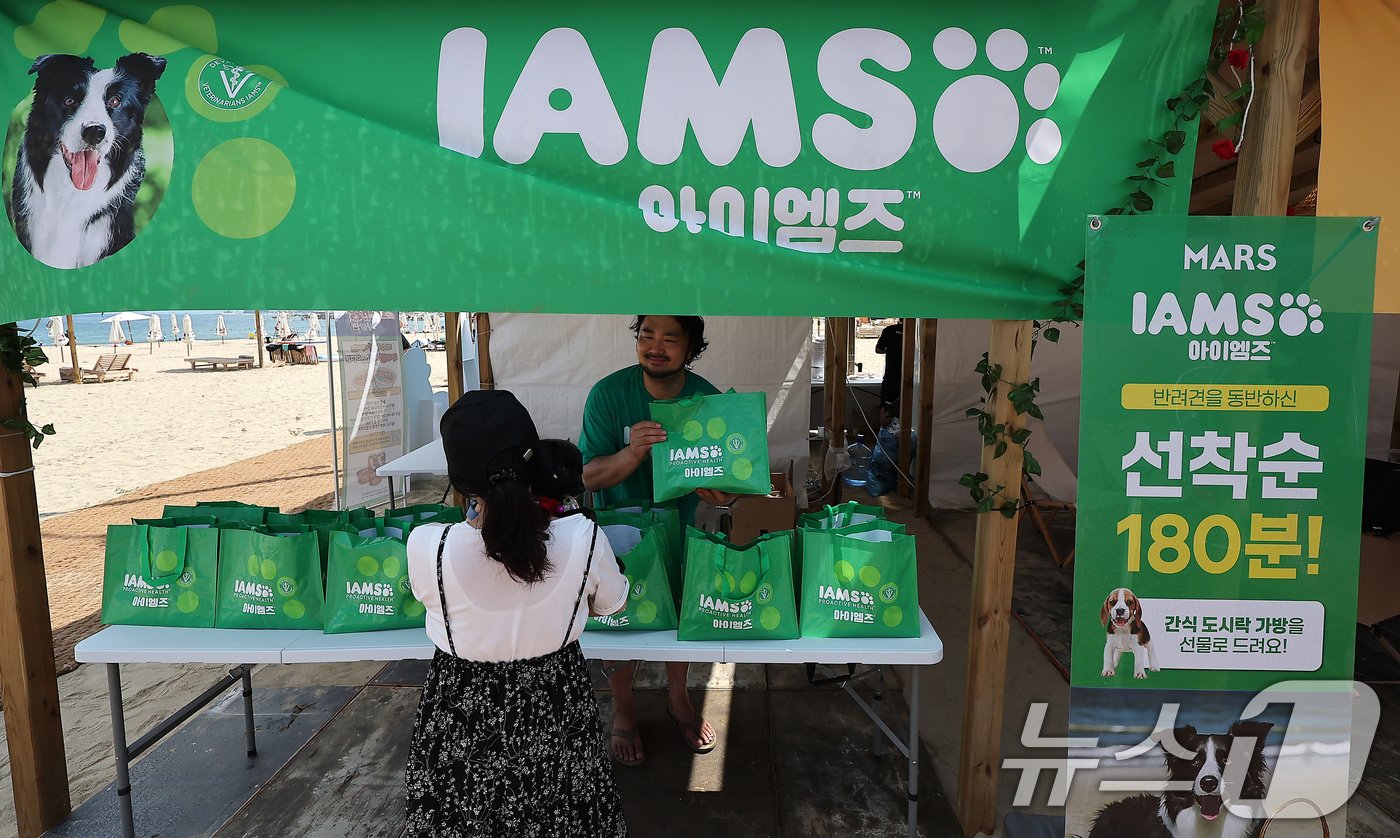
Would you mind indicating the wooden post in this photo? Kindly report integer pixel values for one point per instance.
(928, 356)
(72, 353)
(28, 680)
(908, 328)
(257, 326)
(453, 322)
(994, 565)
(837, 331)
(1266, 154)
(483, 351)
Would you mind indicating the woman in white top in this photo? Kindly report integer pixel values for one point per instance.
(507, 740)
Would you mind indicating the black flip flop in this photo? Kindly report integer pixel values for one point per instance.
(690, 732)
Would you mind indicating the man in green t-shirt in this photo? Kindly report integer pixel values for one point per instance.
(616, 443)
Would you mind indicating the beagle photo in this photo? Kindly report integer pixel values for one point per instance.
(1121, 616)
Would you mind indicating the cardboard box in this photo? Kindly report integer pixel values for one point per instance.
(752, 516)
(1379, 596)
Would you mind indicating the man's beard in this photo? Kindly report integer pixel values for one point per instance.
(662, 375)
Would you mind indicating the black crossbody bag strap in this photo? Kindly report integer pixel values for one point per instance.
(582, 585)
(442, 594)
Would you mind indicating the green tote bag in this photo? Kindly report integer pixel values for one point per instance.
(669, 517)
(641, 545)
(367, 585)
(738, 593)
(859, 581)
(269, 581)
(712, 442)
(161, 574)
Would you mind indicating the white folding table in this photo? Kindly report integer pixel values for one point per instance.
(429, 459)
(117, 645)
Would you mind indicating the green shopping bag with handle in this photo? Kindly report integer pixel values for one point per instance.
(160, 574)
(841, 515)
(269, 581)
(669, 517)
(367, 586)
(641, 545)
(738, 592)
(715, 442)
(224, 511)
(428, 513)
(859, 581)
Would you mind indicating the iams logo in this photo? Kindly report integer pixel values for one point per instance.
(1252, 315)
(976, 122)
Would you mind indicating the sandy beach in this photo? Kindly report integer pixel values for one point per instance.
(168, 421)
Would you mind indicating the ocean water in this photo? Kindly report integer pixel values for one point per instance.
(91, 331)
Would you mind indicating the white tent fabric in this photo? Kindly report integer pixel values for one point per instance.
(58, 333)
(174, 327)
(220, 327)
(313, 328)
(116, 335)
(552, 375)
(283, 325)
(153, 332)
(953, 439)
(188, 329)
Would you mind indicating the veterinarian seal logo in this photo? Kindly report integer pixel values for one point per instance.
(226, 92)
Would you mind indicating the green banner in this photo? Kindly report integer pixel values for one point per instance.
(762, 158)
(1226, 372)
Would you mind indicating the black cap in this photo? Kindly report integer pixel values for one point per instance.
(488, 437)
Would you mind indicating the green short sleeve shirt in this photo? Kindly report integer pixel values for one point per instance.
(617, 402)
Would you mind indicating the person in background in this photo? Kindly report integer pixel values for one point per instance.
(891, 345)
(507, 740)
(616, 443)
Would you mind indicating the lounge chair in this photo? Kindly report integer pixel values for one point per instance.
(32, 372)
(109, 367)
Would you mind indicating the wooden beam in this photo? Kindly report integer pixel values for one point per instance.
(73, 352)
(994, 565)
(906, 403)
(257, 327)
(453, 322)
(928, 355)
(837, 370)
(28, 680)
(1266, 153)
(483, 351)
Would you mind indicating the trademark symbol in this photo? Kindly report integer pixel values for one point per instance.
(913, 194)
(1047, 50)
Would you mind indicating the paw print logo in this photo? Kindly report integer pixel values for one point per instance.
(1301, 314)
(977, 121)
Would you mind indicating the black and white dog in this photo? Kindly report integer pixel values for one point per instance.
(80, 162)
(1203, 779)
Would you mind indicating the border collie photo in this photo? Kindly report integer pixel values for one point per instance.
(1204, 763)
(1206, 771)
(80, 160)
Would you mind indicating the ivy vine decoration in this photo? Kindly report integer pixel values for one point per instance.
(1234, 26)
(18, 353)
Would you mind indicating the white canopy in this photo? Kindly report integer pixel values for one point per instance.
(124, 317)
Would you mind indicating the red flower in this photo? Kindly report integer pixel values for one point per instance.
(1224, 149)
(1238, 58)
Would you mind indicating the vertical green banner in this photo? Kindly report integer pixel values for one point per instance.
(1226, 370)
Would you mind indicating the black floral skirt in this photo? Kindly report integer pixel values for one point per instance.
(511, 749)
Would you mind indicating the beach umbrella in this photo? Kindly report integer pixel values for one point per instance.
(153, 332)
(221, 329)
(433, 325)
(404, 320)
(174, 327)
(118, 335)
(283, 326)
(313, 329)
(57, 332)
(189, 334)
